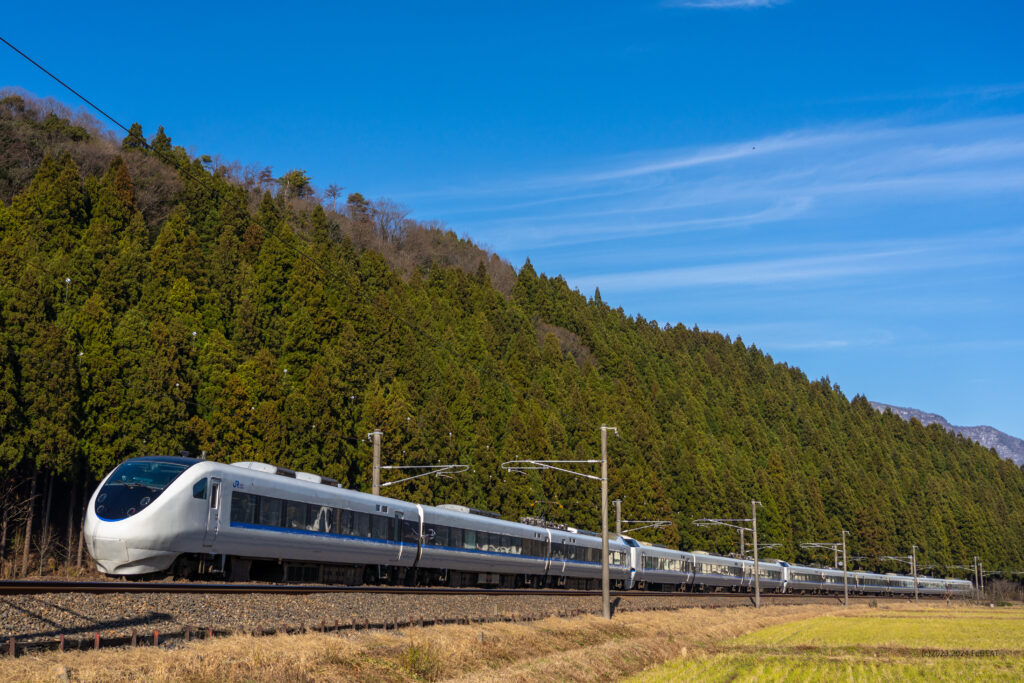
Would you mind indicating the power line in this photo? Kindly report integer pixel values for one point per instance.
(76, 93)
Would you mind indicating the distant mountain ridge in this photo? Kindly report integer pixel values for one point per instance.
(1009, 447)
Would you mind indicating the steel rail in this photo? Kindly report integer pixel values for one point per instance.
(38, 587)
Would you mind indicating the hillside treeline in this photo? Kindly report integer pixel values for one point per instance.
(156, 303)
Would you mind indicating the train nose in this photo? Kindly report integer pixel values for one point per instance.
(117, 552)
(109, 553)
(118, 556)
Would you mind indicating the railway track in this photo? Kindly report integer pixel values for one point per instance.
(119, 587)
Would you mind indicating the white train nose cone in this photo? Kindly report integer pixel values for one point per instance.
(115, 556)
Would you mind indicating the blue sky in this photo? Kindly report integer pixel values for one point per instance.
(839, 183)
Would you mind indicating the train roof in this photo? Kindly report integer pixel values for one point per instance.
(177, 459)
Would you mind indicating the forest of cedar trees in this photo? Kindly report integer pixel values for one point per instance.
(153, 302)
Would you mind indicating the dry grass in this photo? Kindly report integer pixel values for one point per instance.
(583, 649)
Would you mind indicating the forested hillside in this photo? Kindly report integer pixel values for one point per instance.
(152, 302)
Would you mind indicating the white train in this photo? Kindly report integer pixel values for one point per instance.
(170, 515)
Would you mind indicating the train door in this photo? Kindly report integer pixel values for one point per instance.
(213, 514)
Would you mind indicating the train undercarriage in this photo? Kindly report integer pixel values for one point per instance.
(230, 568)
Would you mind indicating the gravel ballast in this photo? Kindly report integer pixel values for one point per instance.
(47, 616)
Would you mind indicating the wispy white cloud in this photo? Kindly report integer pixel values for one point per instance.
(990, 91)
(805, 174)
(844, 263)
(723, 4)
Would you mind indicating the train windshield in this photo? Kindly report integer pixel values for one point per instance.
(134, 485)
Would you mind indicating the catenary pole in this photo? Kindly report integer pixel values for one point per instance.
(376, 434)
(606, 610)
(757, 569)
(846, 584)
(913, 556)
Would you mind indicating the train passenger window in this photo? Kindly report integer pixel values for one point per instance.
(344, 526)
(313, 518)
(295, 515)
(361, 524)
(505, 544)
(379, 527)
(410, 531)
(269, 511)
(469, 539)
(455, 537)
(243, 507)
(237, 506)
(482, 540)
(199, 489)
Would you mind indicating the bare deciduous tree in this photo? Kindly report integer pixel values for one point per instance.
(265, 179)
(333, 192)
(389, 218)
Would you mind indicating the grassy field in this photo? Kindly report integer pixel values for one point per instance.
(864, 645)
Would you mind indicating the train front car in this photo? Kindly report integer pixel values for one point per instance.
(140, 517)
